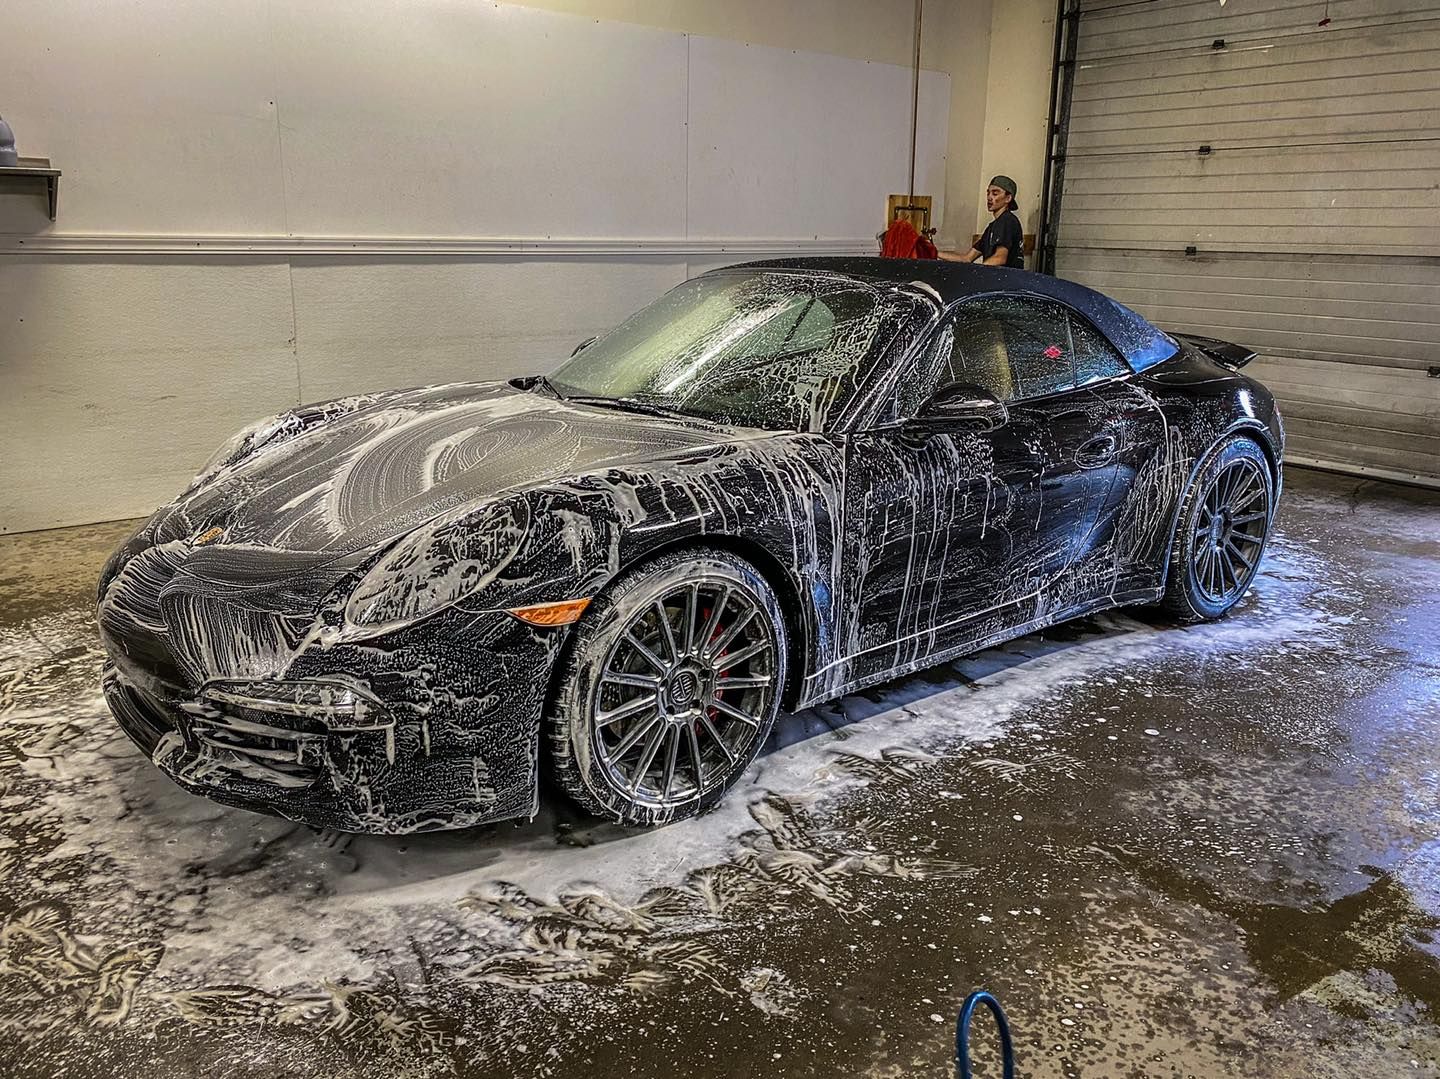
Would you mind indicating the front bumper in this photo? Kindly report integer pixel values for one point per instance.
(435, 726)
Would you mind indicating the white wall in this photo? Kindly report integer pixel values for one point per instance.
(877, 30)
(964, 35)
(955, 40)
(264, 204)
(1017, 104)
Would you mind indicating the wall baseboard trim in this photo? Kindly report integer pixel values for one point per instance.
(424, 246)
(1346, 468)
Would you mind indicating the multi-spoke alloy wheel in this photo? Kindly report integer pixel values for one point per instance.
(1222, 532)
(1229, 531)
(673, 687)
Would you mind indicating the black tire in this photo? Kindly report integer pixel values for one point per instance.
(642, 763)
(1222, 531)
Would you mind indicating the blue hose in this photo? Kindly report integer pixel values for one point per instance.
(962, 1035)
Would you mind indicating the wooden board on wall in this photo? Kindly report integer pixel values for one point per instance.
(161, 115)
(437, 120)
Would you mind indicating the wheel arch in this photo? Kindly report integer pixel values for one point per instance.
(1257, 433)
(799, 615)
(1252, 431)
(557, 760)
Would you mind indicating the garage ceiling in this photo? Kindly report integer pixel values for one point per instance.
(1300, 164)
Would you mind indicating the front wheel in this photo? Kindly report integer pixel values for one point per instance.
(670, 688)
(1222, 532)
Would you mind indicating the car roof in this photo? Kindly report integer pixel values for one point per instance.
(1140, 343)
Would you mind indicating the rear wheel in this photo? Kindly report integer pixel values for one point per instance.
(1222, 532)
(670, 689)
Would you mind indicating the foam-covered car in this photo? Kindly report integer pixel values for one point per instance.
(778, 483)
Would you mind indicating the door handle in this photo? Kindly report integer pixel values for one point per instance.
(1099, 451)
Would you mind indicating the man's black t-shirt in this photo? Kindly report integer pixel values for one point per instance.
(1004, 232)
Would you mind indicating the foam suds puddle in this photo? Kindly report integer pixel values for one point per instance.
(140, 918)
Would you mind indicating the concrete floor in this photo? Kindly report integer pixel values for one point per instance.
(1171, 852)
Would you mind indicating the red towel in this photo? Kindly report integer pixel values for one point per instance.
(903, 242)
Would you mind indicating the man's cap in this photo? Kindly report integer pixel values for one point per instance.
(1005, 184)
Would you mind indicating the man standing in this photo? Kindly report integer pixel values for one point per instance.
(1003, 241)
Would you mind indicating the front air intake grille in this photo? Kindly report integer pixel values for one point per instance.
(264, 751)
(145, 719)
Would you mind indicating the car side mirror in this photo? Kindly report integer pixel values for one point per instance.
(584, 344)
(965, 406)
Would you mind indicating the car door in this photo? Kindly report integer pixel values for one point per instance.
(1024, 349)
(928, 517)
(959, 535)
(934, 516)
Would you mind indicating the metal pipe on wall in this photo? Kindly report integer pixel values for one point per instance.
(915, 95)
(1040, 238)
(1057, 136)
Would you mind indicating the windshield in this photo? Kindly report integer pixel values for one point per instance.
(778, 351)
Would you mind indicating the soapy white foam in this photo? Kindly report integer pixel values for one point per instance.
(295, 916)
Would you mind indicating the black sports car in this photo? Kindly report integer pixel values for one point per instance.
(777, 483)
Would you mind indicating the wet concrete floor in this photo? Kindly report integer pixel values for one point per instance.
(1207, 851)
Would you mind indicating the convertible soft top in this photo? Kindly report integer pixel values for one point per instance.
(1140, 343)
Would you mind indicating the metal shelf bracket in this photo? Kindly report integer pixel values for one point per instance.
(31, 171)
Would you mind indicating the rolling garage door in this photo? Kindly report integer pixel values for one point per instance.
(1247, 173)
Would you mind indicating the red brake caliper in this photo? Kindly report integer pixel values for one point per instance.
(719, 631)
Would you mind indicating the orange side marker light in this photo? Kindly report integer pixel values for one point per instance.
(552, 614)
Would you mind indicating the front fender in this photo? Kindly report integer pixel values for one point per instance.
(777, 507)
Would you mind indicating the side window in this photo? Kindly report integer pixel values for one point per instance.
(1015, 347)
(982, 353)
(1095, 357)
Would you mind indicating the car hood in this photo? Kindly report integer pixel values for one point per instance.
(349, 475)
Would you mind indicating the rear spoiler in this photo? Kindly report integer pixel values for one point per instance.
(1221, 351)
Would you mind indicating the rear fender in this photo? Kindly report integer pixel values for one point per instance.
(1253, 430)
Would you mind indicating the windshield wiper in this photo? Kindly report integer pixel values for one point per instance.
(629, 404)
(632, 405)
(543, 382)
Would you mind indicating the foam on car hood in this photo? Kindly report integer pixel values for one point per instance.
(362, 475)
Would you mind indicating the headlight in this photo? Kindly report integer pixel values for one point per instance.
(435, 567)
